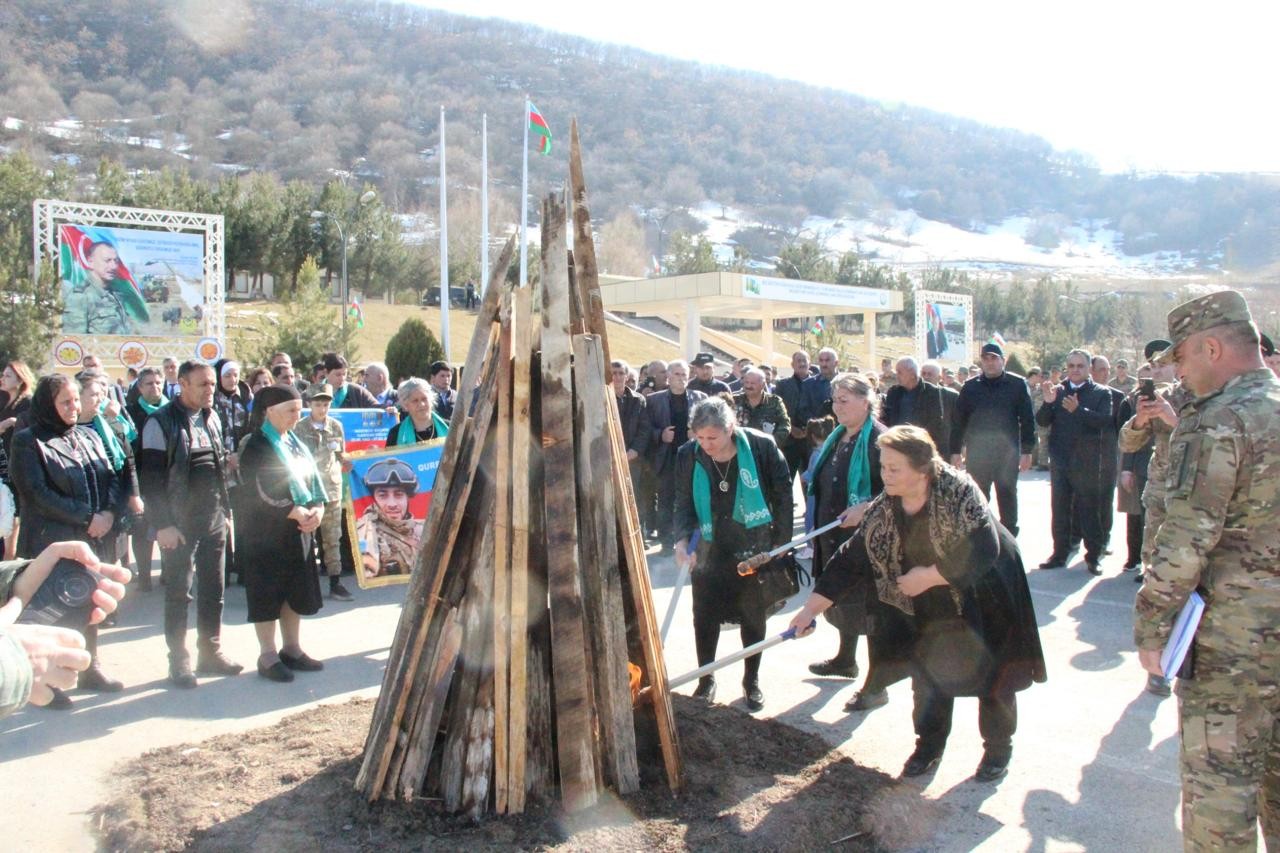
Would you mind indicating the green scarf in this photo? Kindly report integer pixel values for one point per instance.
(130, 433)
(304, 481)
(340, 396)
(749, 506)
(859, 480)
(114, 451)
(408, 435)
(150, 409)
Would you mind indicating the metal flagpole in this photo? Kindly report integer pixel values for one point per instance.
(524, 202)
(484, 203)
(444, 249)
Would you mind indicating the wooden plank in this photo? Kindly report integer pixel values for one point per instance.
(522, 343)
(655, 668)
(454, 478)
(602, 582)
(540, 762)
(586, 271)
(435, 691)
(501, 560)
(575, 744)
(464, 728)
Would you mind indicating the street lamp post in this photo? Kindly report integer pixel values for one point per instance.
(365, 198)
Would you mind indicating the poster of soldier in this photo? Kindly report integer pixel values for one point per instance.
(388, 493)
(131, 282)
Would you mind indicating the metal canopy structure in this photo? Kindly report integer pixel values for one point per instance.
(686, 299)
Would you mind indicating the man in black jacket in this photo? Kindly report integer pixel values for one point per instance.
(182, 469)
(796, 451)
(913, 401)
(668, 412)
(1078, 413)
(994, 430)
(635, 437)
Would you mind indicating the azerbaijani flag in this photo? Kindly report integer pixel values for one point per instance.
(356, 313)
(538, 127)
(997, 338)
(76, 243)
(817, 327)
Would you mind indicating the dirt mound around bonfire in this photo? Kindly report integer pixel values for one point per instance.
(750, 785)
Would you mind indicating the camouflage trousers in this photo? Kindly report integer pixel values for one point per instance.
(1152, 520)
(1230, 738)
(1040, 458)
(330, 533)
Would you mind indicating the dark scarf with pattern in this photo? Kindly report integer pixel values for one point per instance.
(956, 508)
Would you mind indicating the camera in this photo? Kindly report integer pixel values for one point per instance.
(65, 599)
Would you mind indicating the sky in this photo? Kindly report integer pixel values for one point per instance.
(1154, 86)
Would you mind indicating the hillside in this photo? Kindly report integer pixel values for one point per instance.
(310, 89)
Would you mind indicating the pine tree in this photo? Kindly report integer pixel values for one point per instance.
(306, 326)
(411, 351)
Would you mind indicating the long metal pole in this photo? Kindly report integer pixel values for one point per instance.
(444, 248)
(524, 201)
(343, 235)
(484, 203)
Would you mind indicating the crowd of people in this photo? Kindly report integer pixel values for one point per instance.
(217, 465)
(897, 468)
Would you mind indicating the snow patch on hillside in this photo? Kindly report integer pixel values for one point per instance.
(906, 240)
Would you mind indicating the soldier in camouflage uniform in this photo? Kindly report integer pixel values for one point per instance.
(767, 413)
(1123, 380)
(1154, 422)
(1039, 456)
(91, 309)
(1221, 534)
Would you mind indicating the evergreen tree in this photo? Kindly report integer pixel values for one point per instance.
(411, 351)
(307, 326)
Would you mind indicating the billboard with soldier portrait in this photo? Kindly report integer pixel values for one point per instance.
(388, 494)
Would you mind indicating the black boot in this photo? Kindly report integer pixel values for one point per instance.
(706, 689)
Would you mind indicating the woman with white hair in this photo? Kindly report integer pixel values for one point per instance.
(421, 423)
(733, 487)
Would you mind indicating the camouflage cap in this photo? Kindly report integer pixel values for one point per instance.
(1201, 314)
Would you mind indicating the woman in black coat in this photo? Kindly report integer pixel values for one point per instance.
(16, 384)
(70, 489)
(951, 608)
(845, 479)
(284, 504)
(733, 487)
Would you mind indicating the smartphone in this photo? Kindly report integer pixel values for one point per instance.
(65, 599)
(1147, 389)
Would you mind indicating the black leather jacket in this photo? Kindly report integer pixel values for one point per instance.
(62, 481)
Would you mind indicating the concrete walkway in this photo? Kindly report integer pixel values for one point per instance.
(1095, 757)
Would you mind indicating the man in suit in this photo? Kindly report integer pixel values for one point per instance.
(668, 414)
(1100, 372)
(171, 389)
(1077, 413)
(912, 400)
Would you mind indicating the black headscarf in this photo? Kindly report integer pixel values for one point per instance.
(272, 395)
(44, 412)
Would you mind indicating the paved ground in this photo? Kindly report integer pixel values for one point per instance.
(1095, 757)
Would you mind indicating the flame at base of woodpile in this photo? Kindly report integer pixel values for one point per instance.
(528, 627)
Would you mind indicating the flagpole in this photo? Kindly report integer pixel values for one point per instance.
(524, 202)
(484, 203)
(444, 248)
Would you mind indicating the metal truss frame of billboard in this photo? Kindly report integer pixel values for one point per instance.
(48, 214)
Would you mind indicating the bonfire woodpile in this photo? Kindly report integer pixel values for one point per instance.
(528, 628)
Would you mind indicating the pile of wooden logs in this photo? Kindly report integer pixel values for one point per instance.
(529, 611)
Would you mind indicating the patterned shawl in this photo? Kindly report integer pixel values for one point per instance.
(956, 508)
